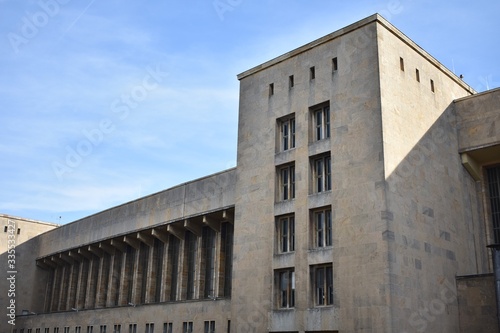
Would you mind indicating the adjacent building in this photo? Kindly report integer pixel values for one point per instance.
(365, 194)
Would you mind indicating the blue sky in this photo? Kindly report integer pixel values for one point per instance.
(102, 102)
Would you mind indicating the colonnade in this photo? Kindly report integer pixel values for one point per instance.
(184, 260)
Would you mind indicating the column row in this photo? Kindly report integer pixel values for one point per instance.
(182, 261)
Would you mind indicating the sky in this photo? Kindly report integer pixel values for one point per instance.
(103, 102)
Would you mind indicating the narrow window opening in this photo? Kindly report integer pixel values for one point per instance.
(5, 229)
(18, 231)
(417, 75)
(432, 85)
(402, 64)
(285, 286)
(271, 89)
(334, 64)
(290, 81)
(312, 73)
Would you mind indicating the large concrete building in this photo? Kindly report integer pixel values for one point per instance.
(365, 194)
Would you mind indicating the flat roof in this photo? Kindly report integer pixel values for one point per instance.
(375, 18)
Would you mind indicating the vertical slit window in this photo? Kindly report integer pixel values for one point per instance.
(312, 73)
(291, 82)
(402, 64)
(271, 89)
(432, 85)
(334, 64)
(417, 75)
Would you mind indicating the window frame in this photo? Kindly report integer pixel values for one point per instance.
(285, 233)
(321, 173)
(285, 288)
(168, 327)
(321, 122)
(286, 182)
(187, 327)
(322, 285)
(209, 326)
(286, 133)
(322, 227)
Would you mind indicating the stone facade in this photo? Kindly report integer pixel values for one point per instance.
(363, 187)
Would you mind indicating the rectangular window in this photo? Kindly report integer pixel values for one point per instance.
(117, 328)
(37, 330)
(102, 329)
(208, 246)
(287, 133)
(30, 330)
(286, 182)
(150, 328)
(187, 327)
(322, 226)
(417, 75)
(402, 64)
(167, 328)
(271, 89)
(46, 330)
(210, 326)
(286, 234)
(56, 330)
(494, 194)
(334, 64)
(291, 82)
(321, 122)
(432, 85)
(322, 173)
(322, 277)
(66, 329)
(285, 286)
(312, 73)
(132, 328)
